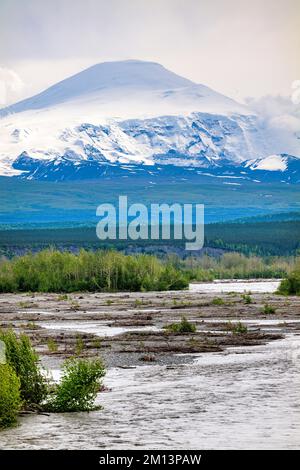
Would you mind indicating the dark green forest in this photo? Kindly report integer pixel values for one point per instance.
(280, 238)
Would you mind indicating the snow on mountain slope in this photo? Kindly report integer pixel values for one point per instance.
(285, 167)
(130, 113)
(127, 88)
(199, 139)
(270, 163)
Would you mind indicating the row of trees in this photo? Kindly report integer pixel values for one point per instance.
(235, 266)
(55, 271)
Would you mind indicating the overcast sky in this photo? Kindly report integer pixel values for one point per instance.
(238, 47)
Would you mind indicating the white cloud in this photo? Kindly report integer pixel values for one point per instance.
(296, 92)
(11, 86)
(280, 116)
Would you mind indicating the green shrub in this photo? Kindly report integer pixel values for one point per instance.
(171, 279)
(31, 325)
(28, 304)
(247, 298)
(79, 345)
(81, 380)
(237, 328)
(291, 285)
(96, 343)
(184, 326)
(10, 399)
(52, 345)
(218, 301)
(268, 309)
(63, 297)
(74, 305)
(24, 361)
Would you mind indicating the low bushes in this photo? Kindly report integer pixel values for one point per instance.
(268, 309)
(237, 266)
(218, 301)
(247, 298)
(237, 328)
(184, 326)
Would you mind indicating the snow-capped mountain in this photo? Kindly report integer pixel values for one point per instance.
(129, 88)
(134, 117)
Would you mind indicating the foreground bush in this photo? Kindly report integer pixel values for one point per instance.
(81, 380)
(22, 384)
(55, 271)
(24, 361)
(10, 399)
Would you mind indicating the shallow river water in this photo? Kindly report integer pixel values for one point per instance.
(236, 285)
(243, 398)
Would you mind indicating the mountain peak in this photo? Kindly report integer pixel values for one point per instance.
(106, 78)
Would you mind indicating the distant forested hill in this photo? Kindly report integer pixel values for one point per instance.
(262, 238)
